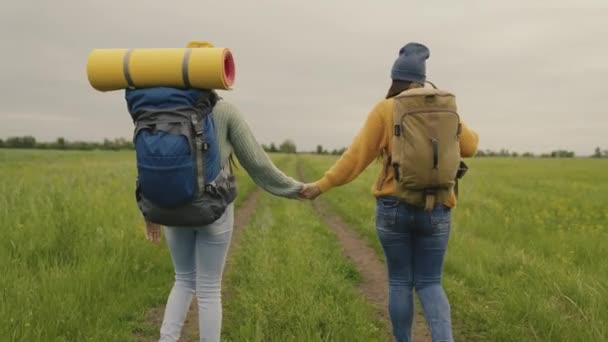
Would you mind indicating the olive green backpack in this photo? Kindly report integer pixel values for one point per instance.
(425, 154)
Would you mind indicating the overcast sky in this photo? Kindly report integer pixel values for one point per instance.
(528, 75)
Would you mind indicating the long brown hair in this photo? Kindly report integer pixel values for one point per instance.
(397, 87)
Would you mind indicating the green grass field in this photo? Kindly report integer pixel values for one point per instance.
(75, 265)
(525, 260)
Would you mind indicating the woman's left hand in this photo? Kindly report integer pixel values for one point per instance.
(153, 232)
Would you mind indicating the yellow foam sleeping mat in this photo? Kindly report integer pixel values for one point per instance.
(200, 65)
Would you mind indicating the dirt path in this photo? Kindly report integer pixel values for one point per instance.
(190, 331)
(374, 284)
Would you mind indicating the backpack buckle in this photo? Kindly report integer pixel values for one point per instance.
(462, 170)
(210, 189)
(198, 129)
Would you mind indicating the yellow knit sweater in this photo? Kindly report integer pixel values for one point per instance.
(375, 137)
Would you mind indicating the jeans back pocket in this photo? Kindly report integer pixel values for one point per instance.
(386, 212)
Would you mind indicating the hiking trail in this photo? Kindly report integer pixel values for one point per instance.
(374, 281)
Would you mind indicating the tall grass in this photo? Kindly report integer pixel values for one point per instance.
(74, 264)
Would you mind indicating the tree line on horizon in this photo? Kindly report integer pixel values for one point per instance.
(29, 142)
(287, 146)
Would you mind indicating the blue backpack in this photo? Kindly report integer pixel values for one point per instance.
(181, 181)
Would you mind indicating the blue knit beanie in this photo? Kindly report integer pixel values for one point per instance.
(411, 63)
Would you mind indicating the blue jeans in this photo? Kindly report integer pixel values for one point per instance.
(199, 255)
(414, 242)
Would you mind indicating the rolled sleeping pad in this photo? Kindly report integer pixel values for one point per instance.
(198, 66)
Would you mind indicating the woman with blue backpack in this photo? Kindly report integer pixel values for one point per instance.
(184, 141)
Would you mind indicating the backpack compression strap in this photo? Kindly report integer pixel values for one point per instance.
(125, 68)
(200, 149)
(185, 68)
(431, 194)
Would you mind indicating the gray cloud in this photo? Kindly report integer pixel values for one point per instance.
(529, 75)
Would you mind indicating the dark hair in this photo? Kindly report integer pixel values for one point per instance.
(397, 87)
(208, 99)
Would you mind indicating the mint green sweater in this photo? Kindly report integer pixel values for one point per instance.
(235, 136)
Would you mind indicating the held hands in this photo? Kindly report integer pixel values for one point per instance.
(310, 191)
(153, 232)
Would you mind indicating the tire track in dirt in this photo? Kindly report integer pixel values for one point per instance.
(374, 282)
(190, 330)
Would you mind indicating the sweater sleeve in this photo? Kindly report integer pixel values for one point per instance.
(254, 159)
(468, 142)
(366, 147)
